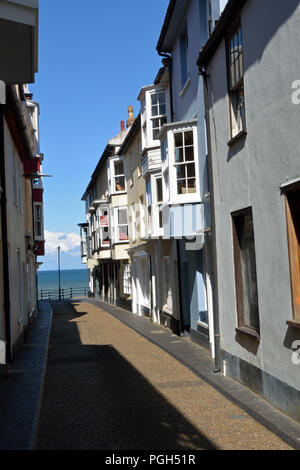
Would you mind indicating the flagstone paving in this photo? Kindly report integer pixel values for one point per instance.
(108, 387)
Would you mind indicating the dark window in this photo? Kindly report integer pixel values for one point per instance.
(236, 83)
(293, 228)
(184, 57)
(245, 271)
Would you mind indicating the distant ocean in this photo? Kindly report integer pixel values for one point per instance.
(48, 280)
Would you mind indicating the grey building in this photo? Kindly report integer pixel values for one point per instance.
(251, 69)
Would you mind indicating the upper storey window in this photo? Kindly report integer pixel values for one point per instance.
(158, 112)
(117, 178)
(185, 162)
(236, 83)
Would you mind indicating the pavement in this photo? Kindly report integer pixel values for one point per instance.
(107, 379)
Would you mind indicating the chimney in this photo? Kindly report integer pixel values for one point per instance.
(130, 119)
(122, 126)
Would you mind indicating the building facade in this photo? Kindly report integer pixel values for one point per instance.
(104, 235)
(22, 232)
(252, 123)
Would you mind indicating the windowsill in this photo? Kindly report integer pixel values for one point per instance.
(186, 86)
(293, 323)
(248, 331)
(204, 325)
(237, 137)
(118, 192)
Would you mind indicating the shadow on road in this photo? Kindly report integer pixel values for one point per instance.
(95, 399)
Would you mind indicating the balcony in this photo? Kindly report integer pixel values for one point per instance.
(151, 161)
(183, 220)
(18, 40)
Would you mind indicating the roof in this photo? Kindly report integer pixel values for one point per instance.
(108, 152)
(229, 14)
(136, 126)
(173, 20)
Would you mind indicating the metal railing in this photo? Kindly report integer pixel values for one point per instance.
(68, 293)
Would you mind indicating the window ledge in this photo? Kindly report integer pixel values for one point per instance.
(186, 86)
(293, 323)
(248, 331)
(237, 137)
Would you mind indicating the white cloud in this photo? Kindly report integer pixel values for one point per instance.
(68, 242)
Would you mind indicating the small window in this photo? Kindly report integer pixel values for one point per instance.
(119, 176)
(245, 271)
(159, 200)
(184, 43)
(38, 220)
(167, 288)
(293, 228)
(158, 112)
(185, 162)
(127, 280)
(122, 228)
(236, 83)
(104, 228)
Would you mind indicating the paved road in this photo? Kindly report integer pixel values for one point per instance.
(107, 387)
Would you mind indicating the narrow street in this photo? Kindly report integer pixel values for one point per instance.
(108, 387)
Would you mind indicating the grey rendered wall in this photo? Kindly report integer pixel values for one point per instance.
(250, 173)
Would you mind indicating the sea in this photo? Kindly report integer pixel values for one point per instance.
(75, 278)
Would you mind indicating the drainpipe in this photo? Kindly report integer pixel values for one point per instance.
(170, 67)
(6, 287)
(218, 359)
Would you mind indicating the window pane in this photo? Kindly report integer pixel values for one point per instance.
(159, 192)
(120, 183)
(188, 138)
(154, 98)
(155, 110)
(191, 184)
(181, 171)
(179, 155)
(189, 154)
(178, 139)
(119, 168)
(181, 187)
(161, 98)
(190, 170)
(123, 233)
(162, 109)
(122, 216)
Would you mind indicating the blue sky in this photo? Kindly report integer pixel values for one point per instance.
(94, 57)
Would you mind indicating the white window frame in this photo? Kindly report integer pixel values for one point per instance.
(159, 116)
(156, 205)
(41, 221)
(127, 279)
(102, 226)
(133, 222)
(117, 225)
(113, 176)
(176, 198)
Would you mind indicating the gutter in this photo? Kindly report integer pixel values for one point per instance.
(216, 312)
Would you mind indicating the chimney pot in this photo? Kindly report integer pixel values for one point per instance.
(122, 126)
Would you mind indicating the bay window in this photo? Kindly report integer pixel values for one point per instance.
(104, 227)
(118, 183)
(38, 220)
(184, 162)
(158, 112)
